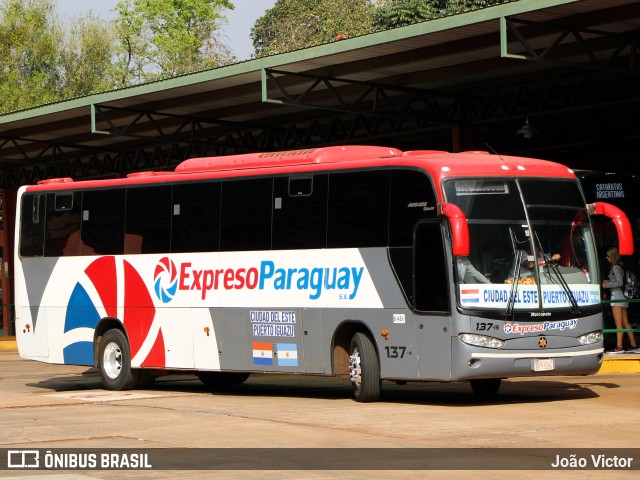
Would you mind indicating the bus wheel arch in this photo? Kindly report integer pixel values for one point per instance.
(114, 361)
(104, 326)
(355, 354)
(340, 345)
(132, 377)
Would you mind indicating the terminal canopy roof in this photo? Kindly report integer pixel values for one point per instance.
(556, 79)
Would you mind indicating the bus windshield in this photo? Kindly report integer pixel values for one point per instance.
(530, 245)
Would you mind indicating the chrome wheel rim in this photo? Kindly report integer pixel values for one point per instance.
(112, 360)
(355, 368)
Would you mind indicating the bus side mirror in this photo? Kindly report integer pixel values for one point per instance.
(459, 228)
(620, 220)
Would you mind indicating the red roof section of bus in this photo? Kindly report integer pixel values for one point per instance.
(440, 165)
(485, 164)
(53, 181)
(286, 158)
(147, 174)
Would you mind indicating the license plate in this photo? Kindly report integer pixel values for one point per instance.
(542, 364)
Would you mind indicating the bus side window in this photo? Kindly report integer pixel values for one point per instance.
(300, 212)
(196, 217)
(63, 224)
(246, 215)
(32, 223)
(148, 220)
(358, 209)
(412, 199)
(103, 222)
(431, 285)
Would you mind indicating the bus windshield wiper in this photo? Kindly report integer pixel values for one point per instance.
(552, 265)
(519, 258)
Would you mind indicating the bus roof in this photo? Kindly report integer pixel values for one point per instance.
(439, 164)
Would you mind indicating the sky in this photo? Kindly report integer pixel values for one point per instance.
(235, 33)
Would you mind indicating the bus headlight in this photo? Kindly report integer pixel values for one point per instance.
(480, 340)
(589, 338)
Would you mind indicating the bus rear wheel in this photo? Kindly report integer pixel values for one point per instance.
(364, 369)
(114, 362)
(486, 387)
(222, 379)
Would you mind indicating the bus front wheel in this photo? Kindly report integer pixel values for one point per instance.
(114, 362)
(486, 387)
(364, 369)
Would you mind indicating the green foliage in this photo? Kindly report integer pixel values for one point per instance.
(294, 24)
(165, 38)
(459, 6)
(87, 60)
(397, 13)
(29, 52)
(41, 63)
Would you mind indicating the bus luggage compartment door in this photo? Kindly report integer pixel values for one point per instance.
(312, 340)
(434, 347)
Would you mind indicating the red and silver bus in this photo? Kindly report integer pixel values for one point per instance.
(356, 261)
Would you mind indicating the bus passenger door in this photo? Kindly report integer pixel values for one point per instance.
(432, 301)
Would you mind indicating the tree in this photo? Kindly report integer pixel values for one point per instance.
(294, 24)
(87, 59)
(396, 13)
(165, 38)
(42, 63)
(29, 48)
(460, 6)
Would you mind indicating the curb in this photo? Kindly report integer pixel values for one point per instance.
(8, 343)
(621, 363)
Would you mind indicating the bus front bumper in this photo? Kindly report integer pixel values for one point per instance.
(489, 363)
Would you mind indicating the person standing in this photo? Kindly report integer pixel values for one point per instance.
(620, 310)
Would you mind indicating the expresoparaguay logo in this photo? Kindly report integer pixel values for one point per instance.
(165, 280)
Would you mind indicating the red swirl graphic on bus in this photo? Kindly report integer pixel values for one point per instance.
(115, 282)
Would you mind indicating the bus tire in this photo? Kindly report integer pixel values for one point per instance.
(364, 369)
(114, 362)
(222, 379)
(485, 387)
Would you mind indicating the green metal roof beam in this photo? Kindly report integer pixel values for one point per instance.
(171, 128)
(587, 44)
(369, 98)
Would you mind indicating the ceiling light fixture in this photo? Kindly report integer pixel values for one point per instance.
(526, 130)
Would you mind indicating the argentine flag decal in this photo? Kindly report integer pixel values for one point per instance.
(287, 354)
